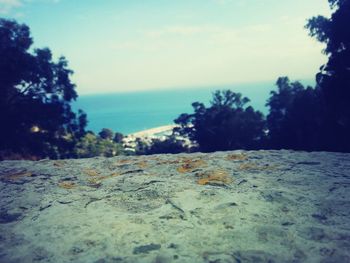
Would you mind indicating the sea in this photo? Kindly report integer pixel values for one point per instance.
(130, 112)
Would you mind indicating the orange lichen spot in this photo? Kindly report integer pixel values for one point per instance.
(114, 174)
(142, 164)
(67, 185)
(237, 157)
(91, 172)
(17, 176)
(123, 161)
(248, 166)
(97, 180)
(189, 165)
(155, 158)
(168, 162)
(214, 177)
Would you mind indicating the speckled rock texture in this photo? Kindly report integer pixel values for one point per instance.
(254, 206)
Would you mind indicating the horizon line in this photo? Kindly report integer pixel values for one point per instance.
(173, 88)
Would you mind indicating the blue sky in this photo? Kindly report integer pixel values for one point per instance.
(129, 45)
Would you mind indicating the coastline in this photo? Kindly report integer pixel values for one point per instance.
(153, 132)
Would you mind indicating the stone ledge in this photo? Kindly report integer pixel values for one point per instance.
(255, 206)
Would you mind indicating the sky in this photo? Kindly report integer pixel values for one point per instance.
(131, 45)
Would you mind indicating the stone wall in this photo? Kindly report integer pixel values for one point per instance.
(256, 206)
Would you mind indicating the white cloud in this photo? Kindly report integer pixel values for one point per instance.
(177, 30)
(222, 2)
(196, 55)
(7, 5)
(240, 3)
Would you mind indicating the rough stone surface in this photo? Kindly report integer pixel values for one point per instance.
(257, 206)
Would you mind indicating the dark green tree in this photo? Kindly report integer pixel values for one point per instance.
(118, 137)
(294, 118)
(35, 96)
(333, 79)
(91, 145)
(141, 146)
(106, 134)
(227, 124)
(171, 145)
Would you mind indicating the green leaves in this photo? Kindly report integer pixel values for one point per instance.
(333, 80)
(35, 91)
(226, 125)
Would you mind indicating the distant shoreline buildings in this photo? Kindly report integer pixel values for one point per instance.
(147, 136)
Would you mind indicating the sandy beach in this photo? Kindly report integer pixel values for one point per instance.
(153, 131)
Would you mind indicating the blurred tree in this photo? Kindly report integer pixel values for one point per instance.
(106, 134)
(333, 79)
(171, 145)
(91, 145)
(226, 125)
(87, 146)
(35, 96)
(141, 146)
(118, 137)
(294, 119)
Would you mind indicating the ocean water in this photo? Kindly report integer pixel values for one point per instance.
(136, 111)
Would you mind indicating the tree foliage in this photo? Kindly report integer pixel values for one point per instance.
(37, 119)
(118, 137)
(226, 125)
(294, 118)
(35, 97)
(106, 134)
(91, 145)
(170, 145)
(333, 79)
